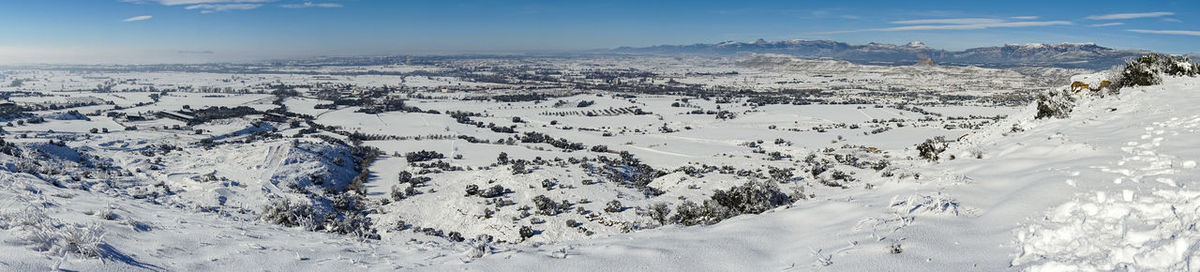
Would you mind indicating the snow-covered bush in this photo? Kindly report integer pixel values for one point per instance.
(526, 232)
(341, 214)
(926, 204)
(931, 148)
(546, 206)
(1057, 104)
(518, 168)
(402, 192)
(43, 233)
(423, 155)
(1149, 69)
(85, 240)
(353, 223)
(106, 214)
(689, 213)
(494, 191)
(750, 198)
(478, 249)
(614, 207)
(290, 213)
(659, 212)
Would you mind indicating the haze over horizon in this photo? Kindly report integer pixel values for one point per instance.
(189, 31)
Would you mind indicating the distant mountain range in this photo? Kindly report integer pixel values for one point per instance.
(1065, 55)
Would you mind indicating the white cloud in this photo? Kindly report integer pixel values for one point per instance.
(976, 26)
(1168, 32)
(312, 5)
(195, 2)
(1122, 16)
(210, 8)
(954, 24)
(137, 18)
(1107, 24)
(957, 21)
(1173, 20)
(1025, 17)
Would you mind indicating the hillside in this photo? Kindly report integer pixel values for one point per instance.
(1106, 189)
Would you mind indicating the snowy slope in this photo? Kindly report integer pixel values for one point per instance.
(1106, 189)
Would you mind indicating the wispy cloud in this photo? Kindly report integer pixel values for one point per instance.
(957, 21)
(1107, 24)
(209, 6)
(1173, 20)
(1025, 17)
(977, 26)
(1123, 16)
(807, 14)
(1167, 32)
(137, 18)
(953, 24)
(312, 5)
(194, 2)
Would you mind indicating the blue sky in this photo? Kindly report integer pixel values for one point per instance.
(147, 31)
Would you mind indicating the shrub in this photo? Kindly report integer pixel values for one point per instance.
(518, 168)
(290, 213)
(614, 207)
(343, 213)
(455, 236)
(494, 191)
(349, 222)
(931, 148)
(545, 205)
(106, 214)
(1057, 104)
(478, 249)
(749, 198)
(689, 213)
(752, 197)
(658, 212)
(399, 194)
(525, 232)
(43, 233)
(1147, 70)
(423, 155)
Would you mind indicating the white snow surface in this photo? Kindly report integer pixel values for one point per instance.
(1108, 188)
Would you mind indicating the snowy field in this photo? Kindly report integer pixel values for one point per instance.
(618, 163)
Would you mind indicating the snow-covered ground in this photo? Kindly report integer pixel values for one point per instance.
(295, 168)
(1106, 189)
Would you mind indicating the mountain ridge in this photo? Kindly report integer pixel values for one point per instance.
(1065, 55)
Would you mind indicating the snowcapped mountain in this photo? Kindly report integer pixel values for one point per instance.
(1087, 55)
(1066, 55)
